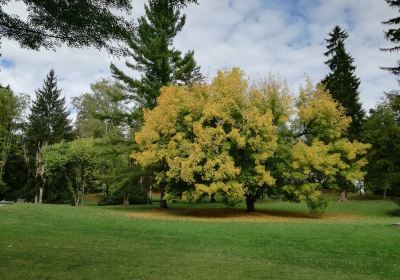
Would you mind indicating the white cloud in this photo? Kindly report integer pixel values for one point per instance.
(258, 36)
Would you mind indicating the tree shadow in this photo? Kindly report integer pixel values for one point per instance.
(230, 213)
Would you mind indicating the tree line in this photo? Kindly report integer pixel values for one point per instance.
(170, 129)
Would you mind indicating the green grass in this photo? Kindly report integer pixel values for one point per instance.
(63, 242)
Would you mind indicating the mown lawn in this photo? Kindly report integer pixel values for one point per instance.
(354, 241)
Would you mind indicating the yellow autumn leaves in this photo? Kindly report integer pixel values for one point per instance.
(222, 138)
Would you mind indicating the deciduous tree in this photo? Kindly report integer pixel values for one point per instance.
(11, 117)
(211, 139)
(382, 130)
(321, 155)
(229, 139)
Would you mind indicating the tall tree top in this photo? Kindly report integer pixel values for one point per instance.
(336, 40)
(48, 120)
(155, 57)
(342, 82)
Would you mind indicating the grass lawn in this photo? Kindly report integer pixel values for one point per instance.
(354, 240)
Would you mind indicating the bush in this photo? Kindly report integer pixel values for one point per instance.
(395, 212)
(317, 206)
(137, 195)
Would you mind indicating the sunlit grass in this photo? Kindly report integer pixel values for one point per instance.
(63, 242)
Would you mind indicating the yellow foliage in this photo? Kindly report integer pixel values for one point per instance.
(208, 133)
(218, 138)
(320, 115)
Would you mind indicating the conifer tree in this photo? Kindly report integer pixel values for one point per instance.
(48, 120)
(48, 124)
(393, 35)
(341, 82)
(154, 57)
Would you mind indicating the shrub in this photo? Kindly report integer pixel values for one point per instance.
(317, 206)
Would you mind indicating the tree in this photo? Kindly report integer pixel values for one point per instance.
(102, 111)
(48, 124)
(321, 157)
(382, 130)
(342, 82)
(393, 35)
(48, 121)
(155, 58)
(83, 23)
(76, 159)
(11, 108)
(210, 139)
(229, 139)
(104, 115)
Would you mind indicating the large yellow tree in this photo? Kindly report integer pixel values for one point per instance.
(211, 139)
(237, 141)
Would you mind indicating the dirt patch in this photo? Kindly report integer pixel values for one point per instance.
(229, 215)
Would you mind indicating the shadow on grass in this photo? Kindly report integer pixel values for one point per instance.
(229, 213)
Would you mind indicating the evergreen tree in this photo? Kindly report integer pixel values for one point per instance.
(48, 123)
(393, 35)
(155, 58)
(342, 82)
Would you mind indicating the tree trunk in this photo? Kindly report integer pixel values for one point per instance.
(250, 204)
(212, 199)
(40, 194)
(343, 196)
(163, 202)
(385, 193)
(126, 199)
(39, 175)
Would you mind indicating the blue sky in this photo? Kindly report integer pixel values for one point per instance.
(260, 36)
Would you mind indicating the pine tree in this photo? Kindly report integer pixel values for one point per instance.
(48, 121)
(48, 124)
(393, 35)
(342, 82)
(155, 58)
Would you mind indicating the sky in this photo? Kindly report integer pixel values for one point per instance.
(285, 38)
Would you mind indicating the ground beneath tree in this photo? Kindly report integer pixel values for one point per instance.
(231, 214)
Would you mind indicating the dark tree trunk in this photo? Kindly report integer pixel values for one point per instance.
(343, 196)
(126, 199)
(385, 193)
(163, 202)
(250, 204)
(212, 199)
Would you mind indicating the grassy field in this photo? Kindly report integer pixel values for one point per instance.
(354, 240)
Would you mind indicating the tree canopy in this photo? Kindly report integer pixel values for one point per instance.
(221, 139)
(48, 121)
(382, 130)
(12, 107)
(82, 23)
